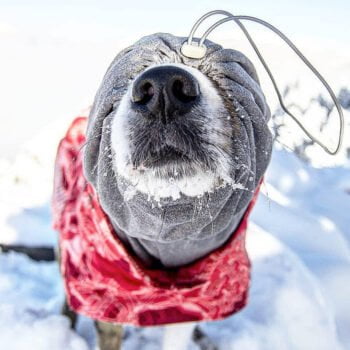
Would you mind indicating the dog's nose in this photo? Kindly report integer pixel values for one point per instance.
(165, 91)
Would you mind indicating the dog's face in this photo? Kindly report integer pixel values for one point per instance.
(171, 126)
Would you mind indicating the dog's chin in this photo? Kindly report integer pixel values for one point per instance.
(169, 169)
(169, 178)
(170, 163)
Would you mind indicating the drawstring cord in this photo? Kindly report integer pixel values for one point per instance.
(198, 50)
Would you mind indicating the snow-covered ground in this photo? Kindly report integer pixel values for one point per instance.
(299, 238)
(298, 243)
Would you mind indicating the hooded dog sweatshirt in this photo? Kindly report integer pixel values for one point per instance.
(106, 281)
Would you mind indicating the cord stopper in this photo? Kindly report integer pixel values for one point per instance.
(193, 50)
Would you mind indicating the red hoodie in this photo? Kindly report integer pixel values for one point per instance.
(107, 282)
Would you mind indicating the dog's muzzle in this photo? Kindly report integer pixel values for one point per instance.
(162, 101)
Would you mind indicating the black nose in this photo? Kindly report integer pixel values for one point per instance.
(165, 91)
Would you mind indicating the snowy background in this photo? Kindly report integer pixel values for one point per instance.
(53, 56)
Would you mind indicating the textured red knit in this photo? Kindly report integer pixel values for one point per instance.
(105, 281)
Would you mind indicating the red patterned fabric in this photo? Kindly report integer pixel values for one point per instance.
(105, 281)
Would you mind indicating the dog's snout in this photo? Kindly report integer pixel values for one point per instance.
(165, 90)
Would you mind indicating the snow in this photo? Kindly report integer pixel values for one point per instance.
(31, 295)
(28, 327)
(314, 225)
(298, 241)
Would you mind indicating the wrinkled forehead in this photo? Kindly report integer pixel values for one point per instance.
(163, 48)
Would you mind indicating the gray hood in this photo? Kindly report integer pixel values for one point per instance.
(177, 232)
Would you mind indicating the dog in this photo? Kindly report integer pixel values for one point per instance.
(176, 148)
